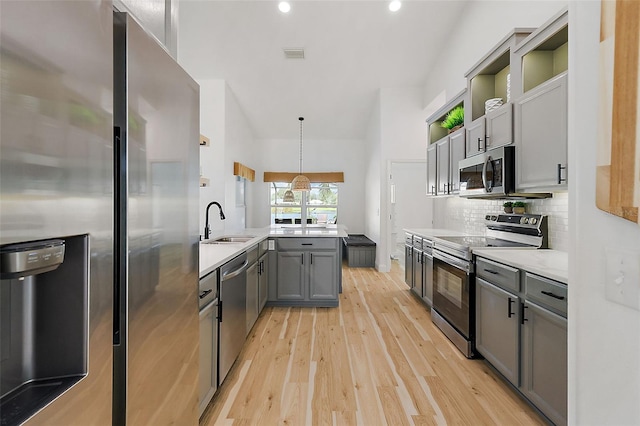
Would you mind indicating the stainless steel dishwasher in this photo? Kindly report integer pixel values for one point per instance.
(232, 312)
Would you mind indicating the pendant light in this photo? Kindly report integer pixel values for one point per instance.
(288, 196)
(301, 182)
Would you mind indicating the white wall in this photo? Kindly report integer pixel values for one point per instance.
(604, 337)
(212, 116)
(396, 132)
(482, 25)
(372, 177)
(466, 215)
(241, 147)
(319, 155)
(224, 123)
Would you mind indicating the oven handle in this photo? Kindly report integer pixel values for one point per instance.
(463, 265)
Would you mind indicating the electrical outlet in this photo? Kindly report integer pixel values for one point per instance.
(623, 277)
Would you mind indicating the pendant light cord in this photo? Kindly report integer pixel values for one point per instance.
(301, 120)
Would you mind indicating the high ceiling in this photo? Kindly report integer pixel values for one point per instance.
(352, 49)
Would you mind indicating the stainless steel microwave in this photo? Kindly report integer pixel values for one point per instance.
(488, 175)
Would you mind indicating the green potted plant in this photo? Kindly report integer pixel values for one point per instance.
(454, 119)
(508, 207)
(518, 207)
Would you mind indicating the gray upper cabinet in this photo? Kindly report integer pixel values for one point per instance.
(496, 76)
(499, 126)
(456, 153)
(541, 110)
(432, 170)
(542, 136)
(443, 160)
(445, 150)
(475, 137)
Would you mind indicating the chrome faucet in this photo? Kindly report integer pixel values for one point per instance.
(207, 231)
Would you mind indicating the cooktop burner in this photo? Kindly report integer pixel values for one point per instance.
(479, 241)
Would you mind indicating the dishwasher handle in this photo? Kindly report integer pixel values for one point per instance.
(234, 273)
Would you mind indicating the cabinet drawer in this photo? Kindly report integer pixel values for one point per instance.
(417, 242)
(408, 239)
(307, 243)
(501, 275)
(546, 292)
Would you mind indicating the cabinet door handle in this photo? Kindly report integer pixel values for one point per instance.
(307, 244)
(550, 294)
(302, 257)
(311, 256)
(479, 139)
(560, 169)
(491, 271)
(510, 312)
(204, 293)
(220, 310)
(523, 307)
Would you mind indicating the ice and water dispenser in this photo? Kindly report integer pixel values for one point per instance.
(44, 320)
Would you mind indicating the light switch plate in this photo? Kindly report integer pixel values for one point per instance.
(623, 277)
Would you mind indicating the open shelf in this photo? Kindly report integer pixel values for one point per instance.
(546, 61)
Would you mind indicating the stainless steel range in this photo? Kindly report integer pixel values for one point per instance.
(454, 271)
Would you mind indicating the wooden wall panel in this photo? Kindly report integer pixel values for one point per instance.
(618, 166)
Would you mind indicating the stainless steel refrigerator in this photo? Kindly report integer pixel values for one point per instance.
(99, 231)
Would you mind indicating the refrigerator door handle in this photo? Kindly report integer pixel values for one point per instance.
(119, 244)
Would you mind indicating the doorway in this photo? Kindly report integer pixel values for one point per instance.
(408, 204)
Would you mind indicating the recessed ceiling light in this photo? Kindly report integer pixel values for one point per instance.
(284, 6)
(395, 5)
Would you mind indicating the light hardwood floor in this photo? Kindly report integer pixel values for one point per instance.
(375, 360)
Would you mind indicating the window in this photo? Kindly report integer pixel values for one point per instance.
(320, 205)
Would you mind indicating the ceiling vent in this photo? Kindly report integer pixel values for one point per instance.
(294, 53)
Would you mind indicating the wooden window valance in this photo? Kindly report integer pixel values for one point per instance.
(317, 177)
(241, 170)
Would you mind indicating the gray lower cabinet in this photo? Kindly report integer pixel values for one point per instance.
(263, 281)
(498, 328)
(521, 329)
(308, 272)
(252, 308)
(544, 361)
(291, 275)
(322, 275)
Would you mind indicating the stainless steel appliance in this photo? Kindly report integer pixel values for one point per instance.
(232, 312)
(491, 174)
(208, 303)
(100, 151)
(454, 279)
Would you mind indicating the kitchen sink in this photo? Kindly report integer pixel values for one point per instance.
(230, 239)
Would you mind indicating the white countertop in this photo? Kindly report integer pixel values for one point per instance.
(213, 256)
(434, 232)
(552, 264)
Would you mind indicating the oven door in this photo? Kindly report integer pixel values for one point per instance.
(452, 291)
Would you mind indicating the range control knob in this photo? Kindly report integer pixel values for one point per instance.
(524, 220)
(487, 217)
(533, 221)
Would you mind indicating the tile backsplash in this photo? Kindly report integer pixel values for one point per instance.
(466, 215)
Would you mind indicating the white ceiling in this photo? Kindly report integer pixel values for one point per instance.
(352, 49)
